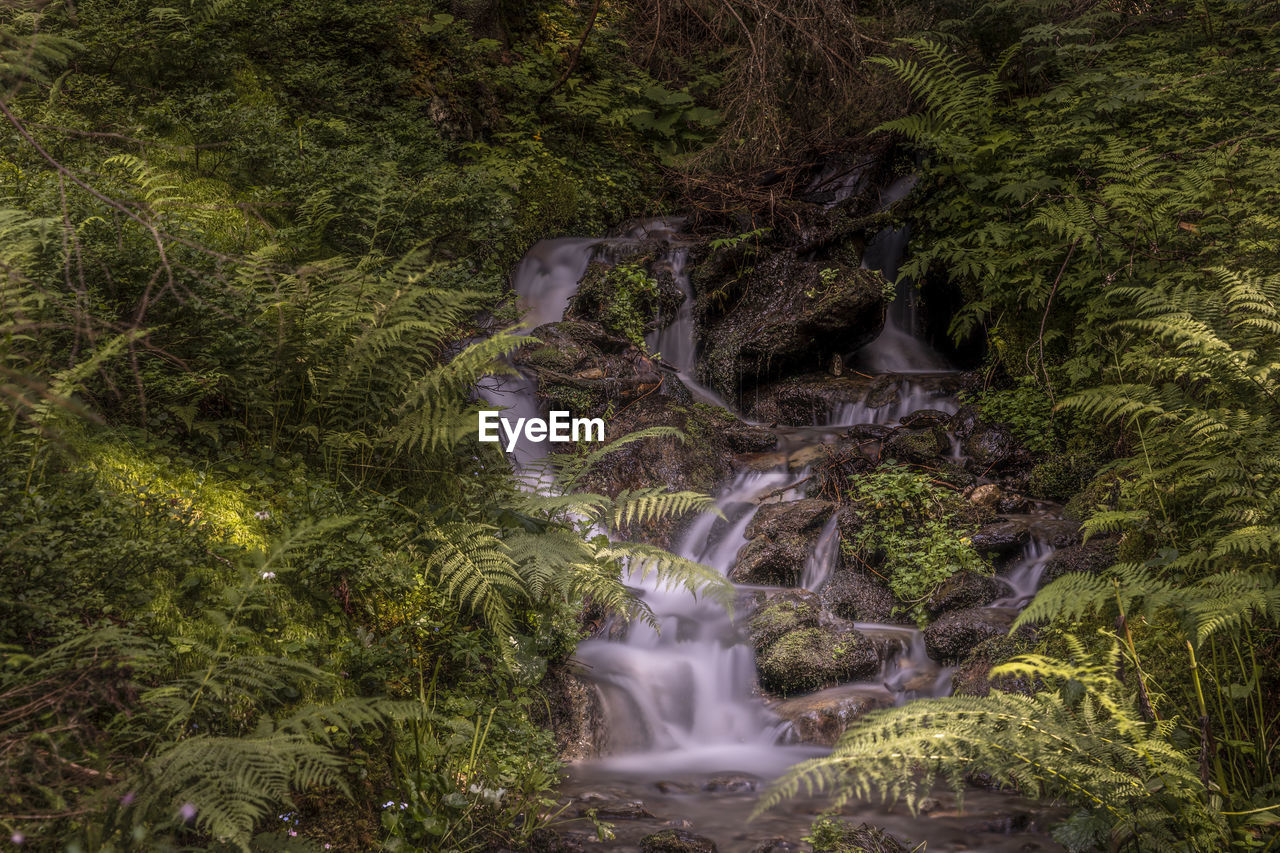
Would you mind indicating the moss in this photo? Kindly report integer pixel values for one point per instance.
(560, 359)
(812, 658)
(779, 617)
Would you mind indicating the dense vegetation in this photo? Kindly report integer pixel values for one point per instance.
(261, 587)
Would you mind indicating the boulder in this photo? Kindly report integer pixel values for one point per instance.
(807, 515)
(782, 614)
(615, 809)
(812, 658)
(1089, 557)
(676, 841)
(780, 538)
(954, 634)
(987, 495)
(859, 598)
(964, 589)
(1001, 539)
(620, 308)
(914, 445)
(820, 718)
(576, 713)
(770, 562)
(803, 400)
(785, 315)
(988, 446)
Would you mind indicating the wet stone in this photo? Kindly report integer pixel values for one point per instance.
(777, 845)
(616, 809)
(676, 841)
(734, 783)
(1003, 538)
(953, 635)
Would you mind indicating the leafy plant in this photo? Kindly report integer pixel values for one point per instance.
(913, 528)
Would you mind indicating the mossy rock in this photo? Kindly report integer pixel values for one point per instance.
(782, 614)
(812, 658)
(972, 677)
(922, 445)
(676, 841)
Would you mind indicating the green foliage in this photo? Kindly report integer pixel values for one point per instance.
(914, 528)
(1025, 408)
(1105, 206)
(1081, 741)
(627, 297)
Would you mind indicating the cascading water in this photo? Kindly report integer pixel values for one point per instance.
(682, 697)
(682, 702)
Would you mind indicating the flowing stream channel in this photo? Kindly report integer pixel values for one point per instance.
(690, 740)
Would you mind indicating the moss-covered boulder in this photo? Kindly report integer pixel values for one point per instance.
(630, 297)
(582, 369)
(916, 445)
(830, 835)
(782, 614)
(973, 675)
(812, 658)
(676, 841)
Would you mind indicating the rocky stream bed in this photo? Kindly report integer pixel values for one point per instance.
(799, 381)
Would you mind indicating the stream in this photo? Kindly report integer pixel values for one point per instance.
(690, 739)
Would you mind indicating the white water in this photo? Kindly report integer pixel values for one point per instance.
(684, 700)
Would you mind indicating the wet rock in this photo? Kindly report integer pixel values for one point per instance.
(923, 418)
(802, 516)
(770, 562)
(785, 316)
(1003, 539)
(676, 841)
(781, 537)
(668, 787)
(717, 439)
(987, 495)
(615, 809)
(965, 589)
(777, 845)
(863, 838)
(859, 598)
(782, 614)
(820, 718)
(734, 783)
(547, 840)
(1090, 557)
(598, 295)
(576, 713)
(954, 634)
(870, 432)
(927, 805)
(988, 446)
(973, 676)
(812, 658)
(803, 400)
(1013, 503)
(914, 445)
(583, 369)
(965, 421)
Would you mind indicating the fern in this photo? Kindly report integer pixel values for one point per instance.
(1080, 741)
